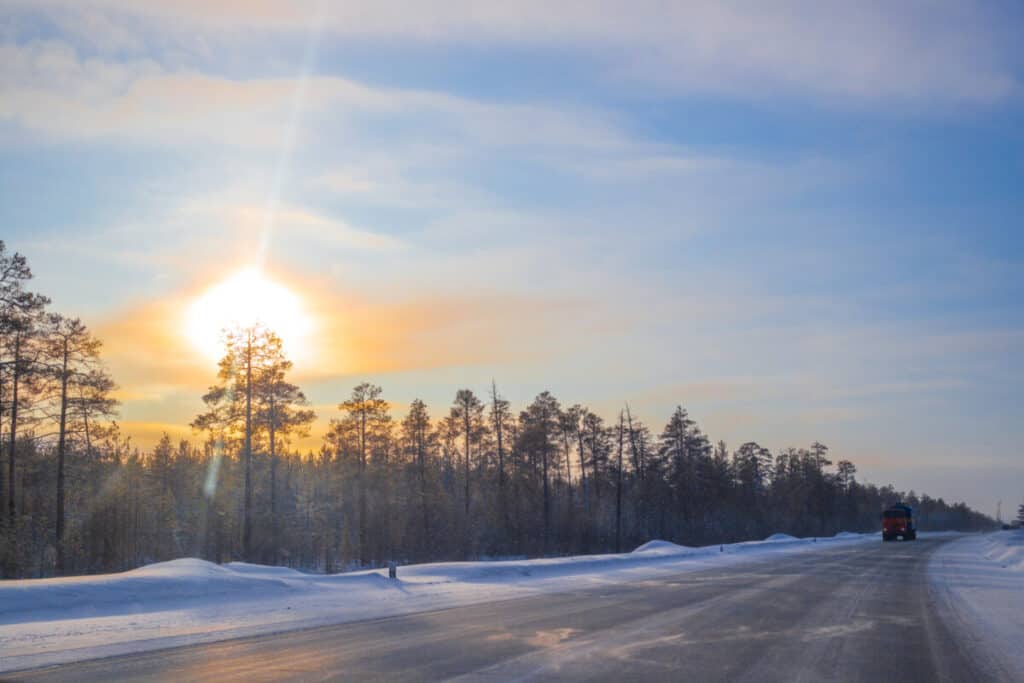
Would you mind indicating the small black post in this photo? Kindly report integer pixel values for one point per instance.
(392, 570)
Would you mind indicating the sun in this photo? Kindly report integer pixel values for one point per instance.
(246, 298)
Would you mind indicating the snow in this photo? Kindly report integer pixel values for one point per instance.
(186, 601)
(660, 547)
(846, 534)
(979, 581)
(1008, 551)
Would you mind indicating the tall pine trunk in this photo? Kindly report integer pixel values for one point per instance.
(363, 541)
(1, 439)
(502, 496)
(571, 504)
(618, 493)
(421, 457)
(583, 469)
(13, 432)
(61, 445)
(466, 465)
(547, 499)
(275, 529)
(467, 533)
(247, 514)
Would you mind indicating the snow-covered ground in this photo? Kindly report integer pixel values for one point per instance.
(49, 621)
(980, 581)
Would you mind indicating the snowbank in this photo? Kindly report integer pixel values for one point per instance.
(661, 547)
(136, 590)
(979, 581)
(1007, 550)
(49, 621)
(847, 534)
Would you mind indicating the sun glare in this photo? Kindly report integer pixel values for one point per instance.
(247, 298)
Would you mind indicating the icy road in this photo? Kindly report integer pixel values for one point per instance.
(857, 612)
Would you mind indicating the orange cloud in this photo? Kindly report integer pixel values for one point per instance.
(437, 331)
(147, 353)
(146, 434)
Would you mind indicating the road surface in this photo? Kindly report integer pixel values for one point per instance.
(856, 612)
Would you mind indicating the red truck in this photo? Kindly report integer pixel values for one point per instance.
(898, 520)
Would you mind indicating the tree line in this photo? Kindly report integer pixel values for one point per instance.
(473, 479)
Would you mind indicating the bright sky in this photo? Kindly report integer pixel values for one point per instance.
(801, 225)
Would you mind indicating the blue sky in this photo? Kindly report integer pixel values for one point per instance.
(801, 223)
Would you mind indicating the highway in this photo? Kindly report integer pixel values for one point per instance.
(857, 612)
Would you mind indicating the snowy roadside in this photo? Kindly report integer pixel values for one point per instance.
(979, 581)
(51, 621)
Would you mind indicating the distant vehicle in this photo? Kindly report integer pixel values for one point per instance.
(898, 521)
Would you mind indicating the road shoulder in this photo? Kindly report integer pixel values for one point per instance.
(979, 594)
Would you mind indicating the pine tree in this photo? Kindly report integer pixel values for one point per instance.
(230, 406)
(367, 419)
(74, 369)
(468, 412)
(280, 412)
(500, 414)
(419, 442)
(539, 427)
(618, 484)
(21, 316)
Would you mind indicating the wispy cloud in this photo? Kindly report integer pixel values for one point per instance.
(292, 223)
(48, 88)
(868, 51)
